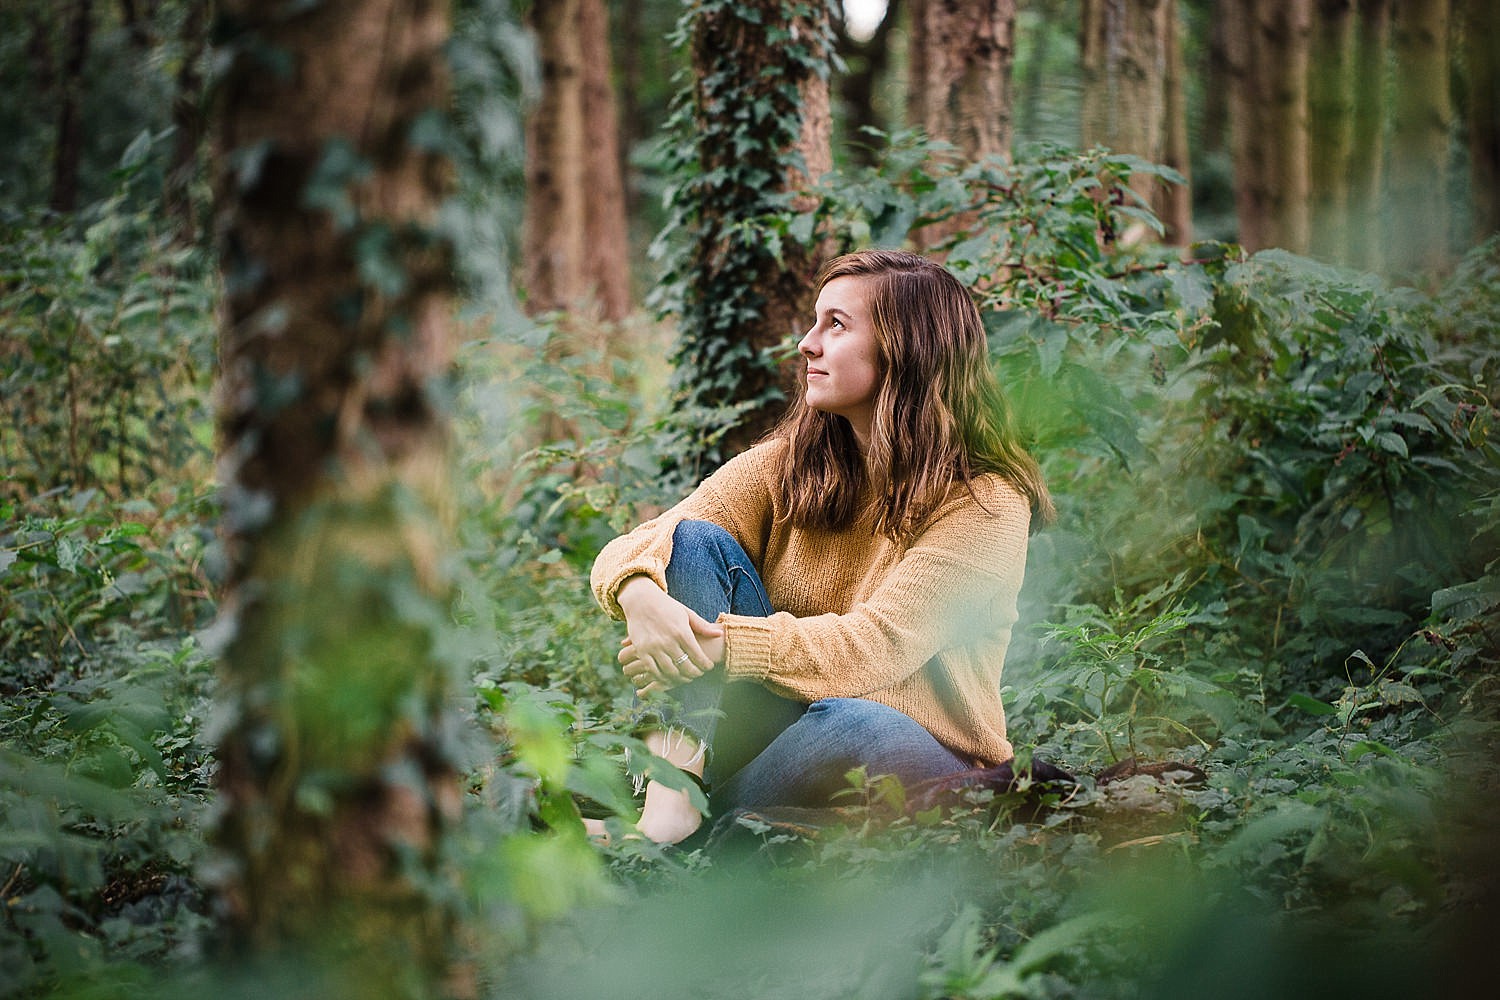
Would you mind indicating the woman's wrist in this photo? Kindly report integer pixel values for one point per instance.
(631, 591)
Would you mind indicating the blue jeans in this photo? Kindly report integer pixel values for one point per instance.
(767, 750)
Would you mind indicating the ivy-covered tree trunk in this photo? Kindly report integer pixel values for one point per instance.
(336, 345)
(754, 130)
(1423, 114)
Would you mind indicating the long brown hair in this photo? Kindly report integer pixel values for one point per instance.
(940, 416)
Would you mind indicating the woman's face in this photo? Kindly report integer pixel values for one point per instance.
(843, 360)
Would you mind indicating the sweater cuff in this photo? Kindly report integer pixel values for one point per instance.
(609, 592)
(747, 644)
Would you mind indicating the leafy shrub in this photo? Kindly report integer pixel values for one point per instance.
(106, 350)
(104, 772)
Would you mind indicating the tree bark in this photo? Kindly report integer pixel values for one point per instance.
(1423, 114)
(606, 241)
(1481, 32)
(1173, 203)
(336, 340)
(1367, 149)
(69, 149)
(575, 250)
(1331, 103)
(1268, 51)
(188, 122)
(554, 220)
(762, 130)
(1133, 98)
(962, 52)
(1122, 47)
(1218, 76)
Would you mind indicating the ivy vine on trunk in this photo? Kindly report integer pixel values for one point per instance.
(336, 773)
(750, 131)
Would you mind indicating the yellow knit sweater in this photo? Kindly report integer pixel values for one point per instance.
(922, 628)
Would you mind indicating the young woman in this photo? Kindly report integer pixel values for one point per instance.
(842, 594)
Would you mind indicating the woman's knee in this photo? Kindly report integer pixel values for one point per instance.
(698, 535)
(858, 716)
(884, 738)
(698, 574)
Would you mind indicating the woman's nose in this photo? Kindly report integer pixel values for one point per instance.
(805, 345)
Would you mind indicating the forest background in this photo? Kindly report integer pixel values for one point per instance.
(336, 336)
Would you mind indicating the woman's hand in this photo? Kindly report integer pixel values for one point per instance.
(667, 643)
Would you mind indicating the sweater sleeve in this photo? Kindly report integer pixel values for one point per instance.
(955, 585)
(737, 497)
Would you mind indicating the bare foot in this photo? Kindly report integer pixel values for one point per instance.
(668, 816)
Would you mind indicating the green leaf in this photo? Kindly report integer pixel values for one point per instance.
(1311, 705)
(1392, 442)
(137, 151)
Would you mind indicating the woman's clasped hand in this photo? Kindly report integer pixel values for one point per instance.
(667, 643)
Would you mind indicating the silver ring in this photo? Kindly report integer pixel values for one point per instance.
(679, 659)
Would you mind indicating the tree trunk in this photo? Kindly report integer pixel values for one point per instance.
(962, 51)
(606, 239)
(1423, 114)
(188, 121)
(1268, 51)
(1123, 47)
(335, 774)
(761, 130)
(553, 225)
(1133, 98)
(1331, 103)
(575, 250)
(69, 150)
(1481, 32)
(960, 86)
(1367, 150)
(1219, 81)
(1173, 203)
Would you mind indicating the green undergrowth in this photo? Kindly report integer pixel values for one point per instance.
(1275, 566)
(1274, 576)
